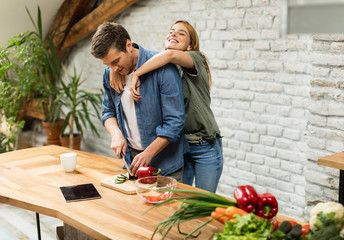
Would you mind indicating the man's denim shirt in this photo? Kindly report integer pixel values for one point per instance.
(160, 112)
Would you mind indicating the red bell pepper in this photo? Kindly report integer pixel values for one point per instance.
(246, 197)
(267, 206)
(147, 172)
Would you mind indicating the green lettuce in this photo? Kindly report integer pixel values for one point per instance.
(246, 227)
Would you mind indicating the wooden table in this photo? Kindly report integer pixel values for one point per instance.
(336, 161)
(30, 179)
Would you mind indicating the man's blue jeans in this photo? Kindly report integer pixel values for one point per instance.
(204, 162)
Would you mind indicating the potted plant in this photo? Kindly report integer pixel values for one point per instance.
(8, 136)
(29, 71)
(50, 75)
(73, 102)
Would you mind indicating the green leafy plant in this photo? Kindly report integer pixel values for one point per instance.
(7, 142)
(75, 101)
(29, 69)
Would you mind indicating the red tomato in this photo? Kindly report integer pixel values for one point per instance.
(305, 229)
(158, 198)
(292, 222)
(275, 224)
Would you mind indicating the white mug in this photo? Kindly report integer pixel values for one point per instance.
(68, 161)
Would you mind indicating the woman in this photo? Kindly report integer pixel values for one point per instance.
(204, 161)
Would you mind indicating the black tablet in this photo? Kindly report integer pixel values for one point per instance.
(80, 192)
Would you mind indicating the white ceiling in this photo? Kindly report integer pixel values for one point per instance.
(15, 20)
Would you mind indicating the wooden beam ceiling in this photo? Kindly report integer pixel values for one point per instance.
(104, 12)
(75, 20)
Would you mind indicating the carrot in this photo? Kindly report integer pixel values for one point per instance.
(231, 211)
(221, 210)
(218, 217)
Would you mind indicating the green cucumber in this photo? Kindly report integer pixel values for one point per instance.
(285, 227)
(295, 232)
(121, 178)
(130, 177)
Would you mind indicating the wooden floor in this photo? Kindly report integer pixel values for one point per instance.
(20, 224)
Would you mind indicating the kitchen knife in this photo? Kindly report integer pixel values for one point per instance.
(125, 163)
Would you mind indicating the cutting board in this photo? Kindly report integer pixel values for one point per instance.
(127, 187)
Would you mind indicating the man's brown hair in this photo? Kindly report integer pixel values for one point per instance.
(109, 34)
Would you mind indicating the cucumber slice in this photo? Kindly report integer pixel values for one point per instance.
(130, 177)
(121, 178)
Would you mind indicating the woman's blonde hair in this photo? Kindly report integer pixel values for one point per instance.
(194, 44)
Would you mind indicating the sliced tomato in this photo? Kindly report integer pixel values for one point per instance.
(157, 198)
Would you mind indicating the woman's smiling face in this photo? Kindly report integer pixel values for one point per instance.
(178, 38)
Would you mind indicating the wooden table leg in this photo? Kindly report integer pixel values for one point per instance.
(38, 227)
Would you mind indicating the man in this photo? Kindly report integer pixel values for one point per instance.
(152, 127)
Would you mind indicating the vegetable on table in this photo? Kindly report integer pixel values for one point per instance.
(226, 214)
(327, 221)
(197, 205)
(246, 197)
(121, 178)
(246, 227)
(130, 177)
(285, 227)
(267, 206)
(232, 211)
(275, 224)
(147, 172)
(220, 214)
(295, 232)
(327, 233)
(305, 229)
(332, 213)
(292, 222)
(288, 230)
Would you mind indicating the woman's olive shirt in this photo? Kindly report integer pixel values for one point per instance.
(200, 119)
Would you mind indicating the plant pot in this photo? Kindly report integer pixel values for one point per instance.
(64, 139)
(53, 131)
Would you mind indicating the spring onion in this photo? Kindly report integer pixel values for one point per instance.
(199, 204)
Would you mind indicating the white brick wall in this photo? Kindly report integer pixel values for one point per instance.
(278, 99)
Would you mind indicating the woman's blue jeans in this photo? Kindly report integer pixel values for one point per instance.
(204, 163)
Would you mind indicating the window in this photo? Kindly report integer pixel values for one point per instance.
(312, 16)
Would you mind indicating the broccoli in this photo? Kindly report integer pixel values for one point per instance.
(325, 214)
(325, 233)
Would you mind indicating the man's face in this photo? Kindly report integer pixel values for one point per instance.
(119, 61)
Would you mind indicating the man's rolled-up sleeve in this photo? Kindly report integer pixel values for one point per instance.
(109, 109)
(172, 103)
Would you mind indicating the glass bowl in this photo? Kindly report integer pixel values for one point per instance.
(155, 189)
